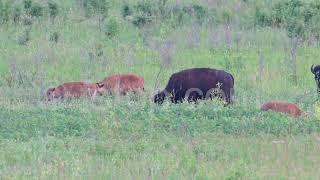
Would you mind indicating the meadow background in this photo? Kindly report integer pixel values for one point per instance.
(268, 46)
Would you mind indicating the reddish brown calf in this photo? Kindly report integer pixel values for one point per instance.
(284, 107)
(122, 84)
(74, 90)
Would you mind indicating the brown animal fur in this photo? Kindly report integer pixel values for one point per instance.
(284, 107)
(74, 90)
(122, 84)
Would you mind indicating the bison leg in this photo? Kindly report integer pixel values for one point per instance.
(227, 95)
(177, 98)
(193, 97)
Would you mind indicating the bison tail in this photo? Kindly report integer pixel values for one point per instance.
(232, 78)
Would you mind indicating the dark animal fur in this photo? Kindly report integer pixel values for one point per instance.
(196, 83)
(315, 69)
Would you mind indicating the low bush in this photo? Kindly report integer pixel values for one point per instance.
(146, 12)
(298, 18)
(112, 27)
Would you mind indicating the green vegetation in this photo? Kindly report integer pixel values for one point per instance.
(268, 47)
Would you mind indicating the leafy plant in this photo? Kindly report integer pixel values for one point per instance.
(36, 10)
(53, 9)
(144, 13)
(54, 37)
(295, 16)
(126, 11)
(98, 8)
(17, 13)
(112, 27)
(5, 8)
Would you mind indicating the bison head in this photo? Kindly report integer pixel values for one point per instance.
(315, 69)
(159, 98)
(100, 88)
(50, 94)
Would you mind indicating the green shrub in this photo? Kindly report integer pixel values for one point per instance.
(27, 21)
(36, 10)
(162, 5)
(126, 11)
(297, 17)
(226, 16)
(53, 9)
(315, 26)
(199, 12)
(16, 14)
(4, 11)
(96, 7)
(27, 4)
(54, 37)
(262, 17)
(144, 13)
(112, 27)
(178, 16)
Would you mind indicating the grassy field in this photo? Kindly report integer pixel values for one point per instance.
(131, 137)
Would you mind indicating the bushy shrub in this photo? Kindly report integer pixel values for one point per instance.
(112, 27)
(33, 9)
(144, 13)
(53, 9)
(226, 16)
(262, 16)
(296, 16)
(54, 37)
(27, 4)
(196, 11)
(5, 7)
(199, 12)
(27, 21)
(126, 11)
(162, 5)
(36, 10)
(315, 26)
(16, 14)
(96, 7)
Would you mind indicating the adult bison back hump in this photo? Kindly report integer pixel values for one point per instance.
(197, 83)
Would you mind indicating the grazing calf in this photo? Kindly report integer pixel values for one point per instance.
(73, 90)
(315, 69)
(284, 107)
(122, 84)
(197, 83)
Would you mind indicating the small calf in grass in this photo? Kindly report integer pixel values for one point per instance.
(122, 84)
(284, 107)
(74, 90)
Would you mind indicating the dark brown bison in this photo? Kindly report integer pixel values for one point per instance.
(73, 90)
(315, 69)
(197, 83)
(284, 107)
(122, 84)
